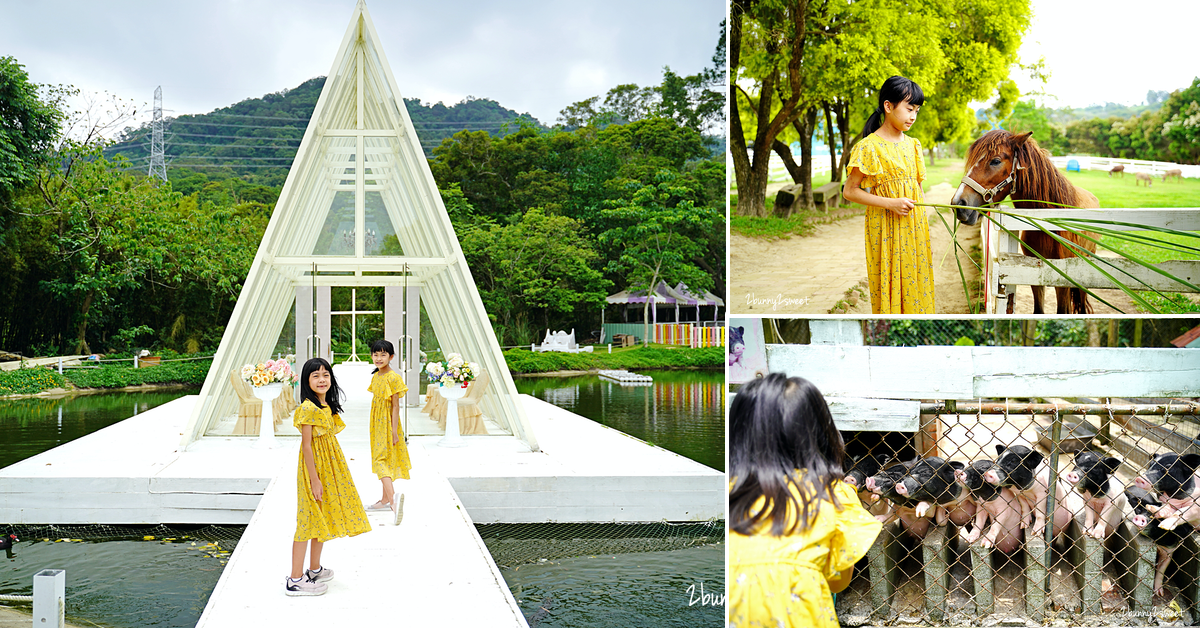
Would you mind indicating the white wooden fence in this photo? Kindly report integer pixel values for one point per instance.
(871, 386)
(1005, 266)
(1154, 168)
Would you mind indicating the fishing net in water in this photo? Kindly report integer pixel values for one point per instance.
(102, 532)
(513, 544)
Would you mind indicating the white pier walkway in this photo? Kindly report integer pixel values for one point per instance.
(433, 569)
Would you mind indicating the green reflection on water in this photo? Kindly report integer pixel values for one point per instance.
(684, 411)
(31, 426)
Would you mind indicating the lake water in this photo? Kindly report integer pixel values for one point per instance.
(117, 578)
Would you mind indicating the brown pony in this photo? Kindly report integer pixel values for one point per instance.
(990, 164)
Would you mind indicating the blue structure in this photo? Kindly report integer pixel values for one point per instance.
(1073, 165)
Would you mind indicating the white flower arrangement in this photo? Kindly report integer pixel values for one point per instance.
(269, 372)
(454, 372)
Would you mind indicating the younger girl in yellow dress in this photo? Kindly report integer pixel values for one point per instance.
(327, 504)
(389, 454)
(796, 529)
(889, 165)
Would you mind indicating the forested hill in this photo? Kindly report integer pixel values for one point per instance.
(256, 139)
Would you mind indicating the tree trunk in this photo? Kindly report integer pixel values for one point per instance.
(829, 141)
(931, 156)
(789, 161)
(1093, 332)
(843, 122)
(805, 128)
(752, 176)
(81, 345)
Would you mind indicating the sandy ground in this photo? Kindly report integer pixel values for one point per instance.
(810, 275)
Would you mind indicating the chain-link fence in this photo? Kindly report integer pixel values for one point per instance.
(514, 544)
(964, 501)
(1016, 511)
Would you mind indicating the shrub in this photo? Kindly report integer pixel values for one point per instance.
(27, 381)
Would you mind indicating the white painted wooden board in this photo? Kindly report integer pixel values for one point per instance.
(971, 372)
(1022, 270)
(888, 372)
(1179, 218)
(1085, 372)
(874, 415)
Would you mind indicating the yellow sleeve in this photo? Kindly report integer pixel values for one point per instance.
(865, 156)
(309, 414)
(396, 385)
(855, 532)
(920, 162)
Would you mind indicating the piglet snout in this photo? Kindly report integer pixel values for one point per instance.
(1071, 477)
(870, 483)
(991, 477)
(901, 489)
(852, 481)
(1140, 520)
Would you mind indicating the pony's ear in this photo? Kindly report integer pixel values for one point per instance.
(1019, 140)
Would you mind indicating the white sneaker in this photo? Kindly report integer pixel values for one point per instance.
(304, 587)
(323, 574)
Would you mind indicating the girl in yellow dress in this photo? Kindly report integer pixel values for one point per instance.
(885, 172)
(327, 504)
(796, 529)
(389, 454)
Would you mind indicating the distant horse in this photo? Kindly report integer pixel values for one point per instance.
(1000, 165)
(1142, 176)
(1173, 172)
(1117, 169)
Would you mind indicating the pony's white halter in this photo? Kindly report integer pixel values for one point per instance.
(988, 195)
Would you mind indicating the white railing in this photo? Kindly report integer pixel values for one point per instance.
(1153, 168)
(1005, 266)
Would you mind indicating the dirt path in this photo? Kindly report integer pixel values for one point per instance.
(810, 275)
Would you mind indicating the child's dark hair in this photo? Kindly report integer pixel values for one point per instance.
(385, 346)
(895, 90)
(333, 397)
(781, 435)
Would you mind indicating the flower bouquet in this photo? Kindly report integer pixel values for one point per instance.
(269, 372)
(454, 372)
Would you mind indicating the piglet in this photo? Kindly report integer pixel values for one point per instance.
(1173, 478)
(861, 468)
(1104, 499)
(930, 481)
(991, 502)
(1025, 471)
(885, 484)
(1141, 508)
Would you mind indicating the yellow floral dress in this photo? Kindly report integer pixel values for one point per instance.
(387, 460)
(899, 258)
(340, 511)
(783, 582)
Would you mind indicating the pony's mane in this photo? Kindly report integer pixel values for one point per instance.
(1038, 180)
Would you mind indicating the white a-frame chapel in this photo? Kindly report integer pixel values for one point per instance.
(359, 208)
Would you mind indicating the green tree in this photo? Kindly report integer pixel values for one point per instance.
(29, 127)
(659, 239)
(540, 270)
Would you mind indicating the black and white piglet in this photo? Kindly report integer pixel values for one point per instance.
(1141, 508)
(1104, 497)
(1172, 478)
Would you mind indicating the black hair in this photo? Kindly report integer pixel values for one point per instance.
(781, 436)
(333, 397)
(895, 90)
(382, 345)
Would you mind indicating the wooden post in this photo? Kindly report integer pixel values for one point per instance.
(1113, 337)
(1137, 332)
(933, 551)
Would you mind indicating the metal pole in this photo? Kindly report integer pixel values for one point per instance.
(1055, 437)
(993, 407)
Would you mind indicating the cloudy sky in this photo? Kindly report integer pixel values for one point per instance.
(1102, 51)
(535, 56)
